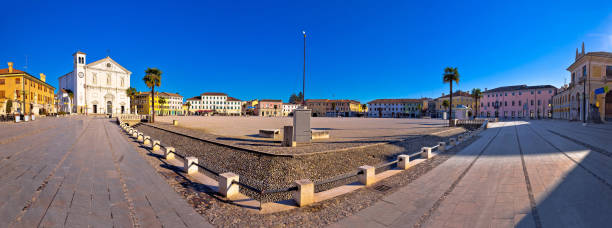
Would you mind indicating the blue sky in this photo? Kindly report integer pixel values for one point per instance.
(359, 50)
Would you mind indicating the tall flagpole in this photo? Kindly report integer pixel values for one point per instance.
(304, 73)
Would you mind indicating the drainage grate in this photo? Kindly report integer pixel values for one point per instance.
(382, 188)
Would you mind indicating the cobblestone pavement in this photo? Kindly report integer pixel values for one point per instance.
(80, 172)
(518, 174)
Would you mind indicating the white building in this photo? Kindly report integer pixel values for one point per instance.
(219, 103)
(98, 87)
(288, 108)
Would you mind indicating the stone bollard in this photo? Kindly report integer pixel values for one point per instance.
(147, 141)
(175, 122)
(403, 161)
(367, 176)
(426, 153)
(226, 187)
(305, 193)
(452, 141)
(460, 138)
(288, 139)
(189, 165)
(140, 137)
(156, 145)
(169, 155)
(135, 134)
(441, 146)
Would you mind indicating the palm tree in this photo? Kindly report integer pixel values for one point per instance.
(152, 78)
(131, 93)
(162, 101)
(476, 94)
(450, 74)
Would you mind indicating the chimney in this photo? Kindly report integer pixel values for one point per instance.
(10, 65)
(42, 77)
(582, 48)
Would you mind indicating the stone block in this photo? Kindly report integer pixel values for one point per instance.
(426, 153)
(367, 176)
(226, 187)
(452, 141)
(460, 138)
(441, 146)
(305, 193)
(175, 122)
(135, 134)
(269, 133)
(301, 125)
(156, 145)
(403, 161)
(189, 165)
(140, 137)
(147, 141)
(288, 139)
(169, 155)
(320, 134)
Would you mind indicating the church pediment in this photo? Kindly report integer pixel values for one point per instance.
(108, 64)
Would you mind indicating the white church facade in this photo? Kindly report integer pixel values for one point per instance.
(97, 88)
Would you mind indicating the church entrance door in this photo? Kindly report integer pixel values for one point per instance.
(109, 107)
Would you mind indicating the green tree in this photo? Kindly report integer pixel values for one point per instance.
(131, 93)
(445, 104)
(476, 94)
(152, 78)
(162, 101)
(293, 99)
(451, 74)
(9, 106)
(188, 107)
(364, 107)
(71, 96)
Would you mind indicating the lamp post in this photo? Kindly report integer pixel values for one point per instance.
(304, 73)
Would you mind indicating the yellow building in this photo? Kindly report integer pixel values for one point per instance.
(172, 107)
(459, 98)
(326, 107)
(20, 88)
(588, 94)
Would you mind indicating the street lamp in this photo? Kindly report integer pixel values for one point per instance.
(304, 73)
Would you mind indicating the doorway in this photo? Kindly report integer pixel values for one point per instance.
(109, 107)
(95, 109)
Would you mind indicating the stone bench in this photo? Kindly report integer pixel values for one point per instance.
(319, 134)
(269, 133)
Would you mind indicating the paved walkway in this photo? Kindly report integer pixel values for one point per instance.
(517, 174)
(80, 172)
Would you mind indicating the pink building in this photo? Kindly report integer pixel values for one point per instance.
(520, 101)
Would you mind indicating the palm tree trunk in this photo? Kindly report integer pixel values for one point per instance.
(153, 103)
(450, 107)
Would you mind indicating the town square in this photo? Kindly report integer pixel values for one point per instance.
(312, 114)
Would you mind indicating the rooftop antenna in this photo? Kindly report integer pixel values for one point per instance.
(108, 52)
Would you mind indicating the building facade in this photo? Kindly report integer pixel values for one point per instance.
(332, 108)
(588, 96)
(519, 101)
(19, 89)
(172, 105)
(216, 104)
(267, 107)
(288, 108)
(397, 108)
(98, 87)
(462, 98)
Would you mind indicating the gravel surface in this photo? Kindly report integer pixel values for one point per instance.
(267, 172)
(221, 214)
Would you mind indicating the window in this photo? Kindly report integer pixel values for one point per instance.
(506, 94)
(17, 80)
(573, 76)
(540, 92)
(505, 103)
(519, 103)
(584, 72)
(609, 71)
(122, 82)
(539, 102)
(549, 91)
(512, 103)
(531, 102)
(520, 93)
(1, 93)
(18, 93)
(108, 79)
(95, 78)
(512, 93)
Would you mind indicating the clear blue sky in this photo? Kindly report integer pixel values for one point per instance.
(356, 49)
